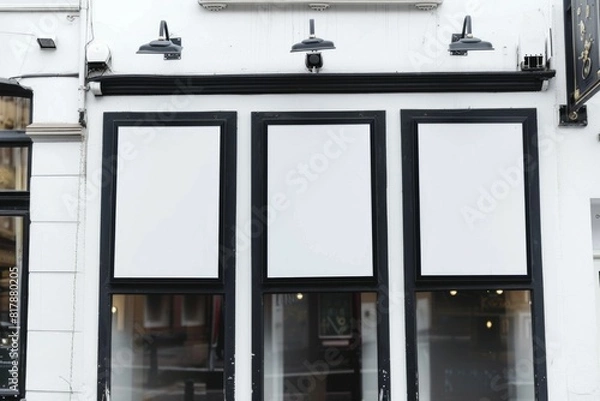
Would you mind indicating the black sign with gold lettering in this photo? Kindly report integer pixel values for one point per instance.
(582, 50)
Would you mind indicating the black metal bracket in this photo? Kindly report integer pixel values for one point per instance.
(576, 118)
(173, 56)
(455, 38)
(533, 62)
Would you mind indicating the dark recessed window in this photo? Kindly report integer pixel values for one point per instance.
(475, 344)
(12, 284)
(320, 346)
(14, 168)
(161, 347)
(15, 113)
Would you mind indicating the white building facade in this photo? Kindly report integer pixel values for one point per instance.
(393, 223)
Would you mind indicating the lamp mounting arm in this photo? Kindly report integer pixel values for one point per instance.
(467, 30)
(312, 28)
(164, 31)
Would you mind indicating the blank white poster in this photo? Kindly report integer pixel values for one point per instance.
(167, 202)
(472, 199)
(319, 201)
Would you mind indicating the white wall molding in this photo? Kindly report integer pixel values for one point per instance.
(54, 132)
(33, 8)
(217, 5)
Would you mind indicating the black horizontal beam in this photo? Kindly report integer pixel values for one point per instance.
(250, 84)
(10, 87)
(16, 138)
(14, 203)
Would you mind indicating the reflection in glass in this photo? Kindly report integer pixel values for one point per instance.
(15, 113)
(157, 355)
(13, 168)
(11, 253)
(475, 345)
(320, 347)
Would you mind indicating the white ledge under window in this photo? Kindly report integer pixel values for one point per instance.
(217, 5)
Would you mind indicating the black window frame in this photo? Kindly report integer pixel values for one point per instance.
(17, 204)
(377, 283)
(415, 282)
(223, 285)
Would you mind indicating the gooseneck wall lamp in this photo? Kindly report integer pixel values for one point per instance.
(312, 47)
(170, 47)
(463, 42)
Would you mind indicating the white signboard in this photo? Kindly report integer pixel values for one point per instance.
(472, 199)
(167, 202)
(319, 201)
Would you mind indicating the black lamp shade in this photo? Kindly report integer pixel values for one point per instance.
(159, 47)
(464, 42)
(468, 44)
(171, 48)
(312, 44)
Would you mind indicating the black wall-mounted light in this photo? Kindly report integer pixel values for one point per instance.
(46, 43)
(464, 42)
(170, 47)
(312, 47)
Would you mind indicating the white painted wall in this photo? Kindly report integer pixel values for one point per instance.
(55, 292)
(49, 4)
(256, 39)
(55, 319)
(55, 99)
(391, 104)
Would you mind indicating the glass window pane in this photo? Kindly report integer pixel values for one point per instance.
(15, 113)
(14, 162)
(11, 265)
(166, 346)
(475, 345)
(320, 347)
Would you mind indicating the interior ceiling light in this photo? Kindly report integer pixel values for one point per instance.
(313, 45)
(463, 42)
(170, 47)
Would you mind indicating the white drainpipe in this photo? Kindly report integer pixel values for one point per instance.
(84, 21)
